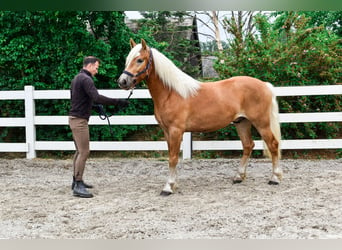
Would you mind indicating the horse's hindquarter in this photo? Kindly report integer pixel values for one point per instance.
(257, 97)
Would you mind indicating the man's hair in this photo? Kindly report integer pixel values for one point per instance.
(90, 60)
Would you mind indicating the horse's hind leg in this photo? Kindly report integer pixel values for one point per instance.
(244, 131)
(272, 146)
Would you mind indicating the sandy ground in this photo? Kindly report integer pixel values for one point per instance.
(37, 202)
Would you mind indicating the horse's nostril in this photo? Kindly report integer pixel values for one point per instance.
(122, 83)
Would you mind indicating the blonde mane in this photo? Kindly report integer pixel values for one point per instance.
(168, 73)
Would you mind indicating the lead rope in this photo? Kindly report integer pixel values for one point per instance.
(103, 114)
(130, 94)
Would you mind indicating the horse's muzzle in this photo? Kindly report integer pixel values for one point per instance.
(125, 81)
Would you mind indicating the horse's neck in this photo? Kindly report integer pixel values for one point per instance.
(159, 92)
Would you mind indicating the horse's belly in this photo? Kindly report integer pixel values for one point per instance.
(207, 123)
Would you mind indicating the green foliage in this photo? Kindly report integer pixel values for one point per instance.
(43, 49)
(46, 49)
(331, 20)
(289, 52)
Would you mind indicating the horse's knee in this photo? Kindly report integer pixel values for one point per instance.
(173, 160)
(275, 144)
(248, 148)
(251, 146)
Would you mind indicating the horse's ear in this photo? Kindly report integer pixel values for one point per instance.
(143, 43)
(132, 43)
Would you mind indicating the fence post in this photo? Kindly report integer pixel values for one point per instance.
(187, 145)
(30, 113)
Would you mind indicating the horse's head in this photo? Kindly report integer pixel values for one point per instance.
(138, 64)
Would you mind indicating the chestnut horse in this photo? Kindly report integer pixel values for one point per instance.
(182, 104)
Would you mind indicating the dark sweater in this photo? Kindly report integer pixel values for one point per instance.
(84, 94)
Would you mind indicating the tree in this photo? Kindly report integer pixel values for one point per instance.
(214, 28)
(241, 25)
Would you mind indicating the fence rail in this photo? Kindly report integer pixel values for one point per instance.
(29, 95)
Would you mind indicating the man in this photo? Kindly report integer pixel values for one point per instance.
(83, 95)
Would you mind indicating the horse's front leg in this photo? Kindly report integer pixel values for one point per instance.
(173, 138)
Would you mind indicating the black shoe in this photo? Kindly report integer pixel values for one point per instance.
(85, 184)
(81, 191)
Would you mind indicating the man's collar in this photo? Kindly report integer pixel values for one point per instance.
(86, 72)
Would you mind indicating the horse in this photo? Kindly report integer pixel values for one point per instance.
(183, 104)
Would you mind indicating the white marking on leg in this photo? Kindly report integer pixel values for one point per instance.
(241, 174)
(171, 182)
(277, 173)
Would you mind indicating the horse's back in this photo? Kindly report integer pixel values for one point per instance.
(245, 83)
(242, 88)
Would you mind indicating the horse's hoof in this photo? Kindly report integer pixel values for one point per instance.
(237, 181)
(273, 183)
(165, 193)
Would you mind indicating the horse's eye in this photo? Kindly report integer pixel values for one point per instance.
(140, 60)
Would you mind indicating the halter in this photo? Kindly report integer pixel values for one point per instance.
(144, 70)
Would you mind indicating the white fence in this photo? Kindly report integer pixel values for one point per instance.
(31, 120)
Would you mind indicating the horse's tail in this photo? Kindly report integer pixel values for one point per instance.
(275, 126)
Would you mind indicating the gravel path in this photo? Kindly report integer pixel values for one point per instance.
(36, 200)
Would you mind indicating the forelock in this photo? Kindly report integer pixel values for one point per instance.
(133, 53)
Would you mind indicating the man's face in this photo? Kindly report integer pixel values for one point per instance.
(93, 68)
